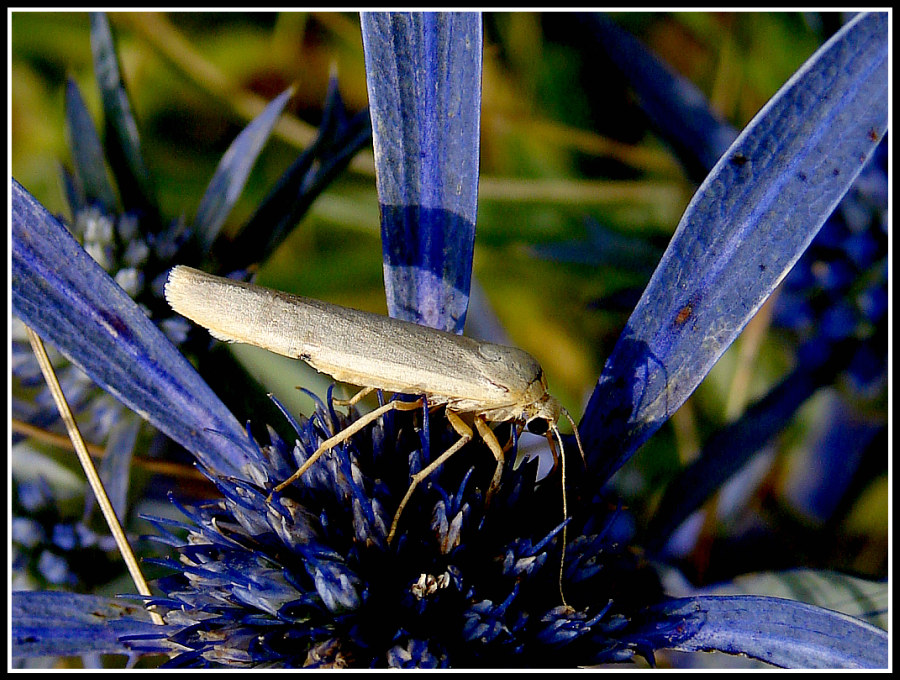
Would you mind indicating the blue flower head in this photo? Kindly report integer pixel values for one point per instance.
(306, 577)
(309, 578)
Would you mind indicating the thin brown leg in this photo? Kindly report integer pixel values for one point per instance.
(465, 436)
(345, 434)
(362, 394)
(489, 438)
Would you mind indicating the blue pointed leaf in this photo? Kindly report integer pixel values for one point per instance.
(115, 467)
(744, 229)
(64, 295)
(860, 598)
(833, 455)
(605, 247)
(68, 624)
(672, 102)
(730, 448)
(87, 151)
(781, 632)
(230, 176)
(311, 173)
(122, 139)
(74, 194)
(423, 72)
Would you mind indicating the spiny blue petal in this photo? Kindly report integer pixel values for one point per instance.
(423, 72)
(340, 589)
(115, 467)
(58, 290)
(747, 225)
(311, 173)
(729, 449)
(417, 654)
(122, 140)
(673, 103)
(781, 632)
(839, 449)
(87, 151)
(230, 176)
(62, 624)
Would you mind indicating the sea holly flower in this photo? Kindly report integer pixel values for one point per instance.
(308, 578)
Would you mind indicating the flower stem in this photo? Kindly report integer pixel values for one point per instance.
(89, 470)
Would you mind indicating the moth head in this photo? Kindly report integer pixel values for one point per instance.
(542, 418)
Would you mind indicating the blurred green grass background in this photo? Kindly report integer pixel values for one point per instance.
(561, 142)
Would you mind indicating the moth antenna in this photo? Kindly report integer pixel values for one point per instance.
(577, 437)
(562, 468)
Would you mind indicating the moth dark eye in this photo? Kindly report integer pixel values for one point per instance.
(538, 426)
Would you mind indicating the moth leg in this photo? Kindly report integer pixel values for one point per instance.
(489, 438)
(512, 439)
(344, 435)
(362, 394)
(465, 436)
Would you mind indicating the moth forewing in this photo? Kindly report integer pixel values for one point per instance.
(236, 311)
(354, 346)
